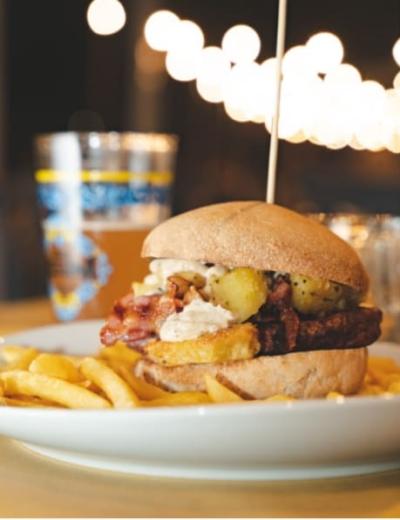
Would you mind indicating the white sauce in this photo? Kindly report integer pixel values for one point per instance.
(161, 269)
(197, 318)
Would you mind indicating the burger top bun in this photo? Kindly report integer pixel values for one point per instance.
(259, 235)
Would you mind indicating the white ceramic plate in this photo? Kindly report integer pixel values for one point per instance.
(254, 441)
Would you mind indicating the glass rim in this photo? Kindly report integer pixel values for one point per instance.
(151, 141)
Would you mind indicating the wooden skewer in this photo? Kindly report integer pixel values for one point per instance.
(273, 148)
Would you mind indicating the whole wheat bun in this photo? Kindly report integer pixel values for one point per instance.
(301, 375)
(259, 235)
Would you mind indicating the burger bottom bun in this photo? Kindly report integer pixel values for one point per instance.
(301, 375)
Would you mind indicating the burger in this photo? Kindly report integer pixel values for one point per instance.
(262, 298)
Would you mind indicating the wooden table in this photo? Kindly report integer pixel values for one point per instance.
(31, 485)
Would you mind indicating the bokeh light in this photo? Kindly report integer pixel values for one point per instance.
(355, 144)
(295, 106)
(337, 111)
(326, 51)
(241, 44)
(184, 51)
(268, 67)
(212, 71)
(106, 17)
(371, 98)
(298, 61)
(160, 29)
(182, 64)
(369, 137)
(396, 81)
(187, 36)
(396, 52)
(212, 63)
(344, 74)
(239, 91)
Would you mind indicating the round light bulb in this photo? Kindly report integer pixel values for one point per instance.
(268, 74)
(239, 91)
(159, 29)
(355, 144)
(212, 64)
(292, 109)
(236, 113)
(393, 143)
(268, 67)
(106, 17)
(396, 81)
(396, 52)
(187, 36)
(373, 95)
(297, 61)
(211, 92)
(182, 65)
(241, 44)
(297, 138)
(326, 51)
(338, 145)
(370, 137)
(213, 68)
(368, 108)
(343, 74)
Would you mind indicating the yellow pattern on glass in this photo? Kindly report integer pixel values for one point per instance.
(163, 178)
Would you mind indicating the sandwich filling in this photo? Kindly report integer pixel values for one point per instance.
(193, 312)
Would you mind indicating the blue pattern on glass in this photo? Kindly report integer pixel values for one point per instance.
(100, 197)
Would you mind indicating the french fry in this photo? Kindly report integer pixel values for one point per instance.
(9, 401)
(35, 401)
(333, 395)
(115, 388)
(56, 366)
(383, 364)
(394, 388)
(179, 399)
(75, 360)
(11, 353)
(19, 382)
(18, 358)
(120, 352)
(141, 388)
(370, 389)
(218, 393)
(283, 397)
(383, 379)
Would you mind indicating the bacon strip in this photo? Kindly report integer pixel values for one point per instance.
(137, 319)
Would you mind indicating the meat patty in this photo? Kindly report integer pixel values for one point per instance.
(345, 329)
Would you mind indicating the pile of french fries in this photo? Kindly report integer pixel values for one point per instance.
(30, 378)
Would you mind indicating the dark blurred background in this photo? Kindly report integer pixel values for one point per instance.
(56, 74)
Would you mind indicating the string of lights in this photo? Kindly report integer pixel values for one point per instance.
(324, 100)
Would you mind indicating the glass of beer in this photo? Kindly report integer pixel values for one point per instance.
(99, 195)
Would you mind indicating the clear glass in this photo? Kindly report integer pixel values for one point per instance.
(377, 240)
(99, 195)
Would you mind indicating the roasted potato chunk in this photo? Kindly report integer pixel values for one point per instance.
(231, 344)
(314, 295)
(242, 291)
